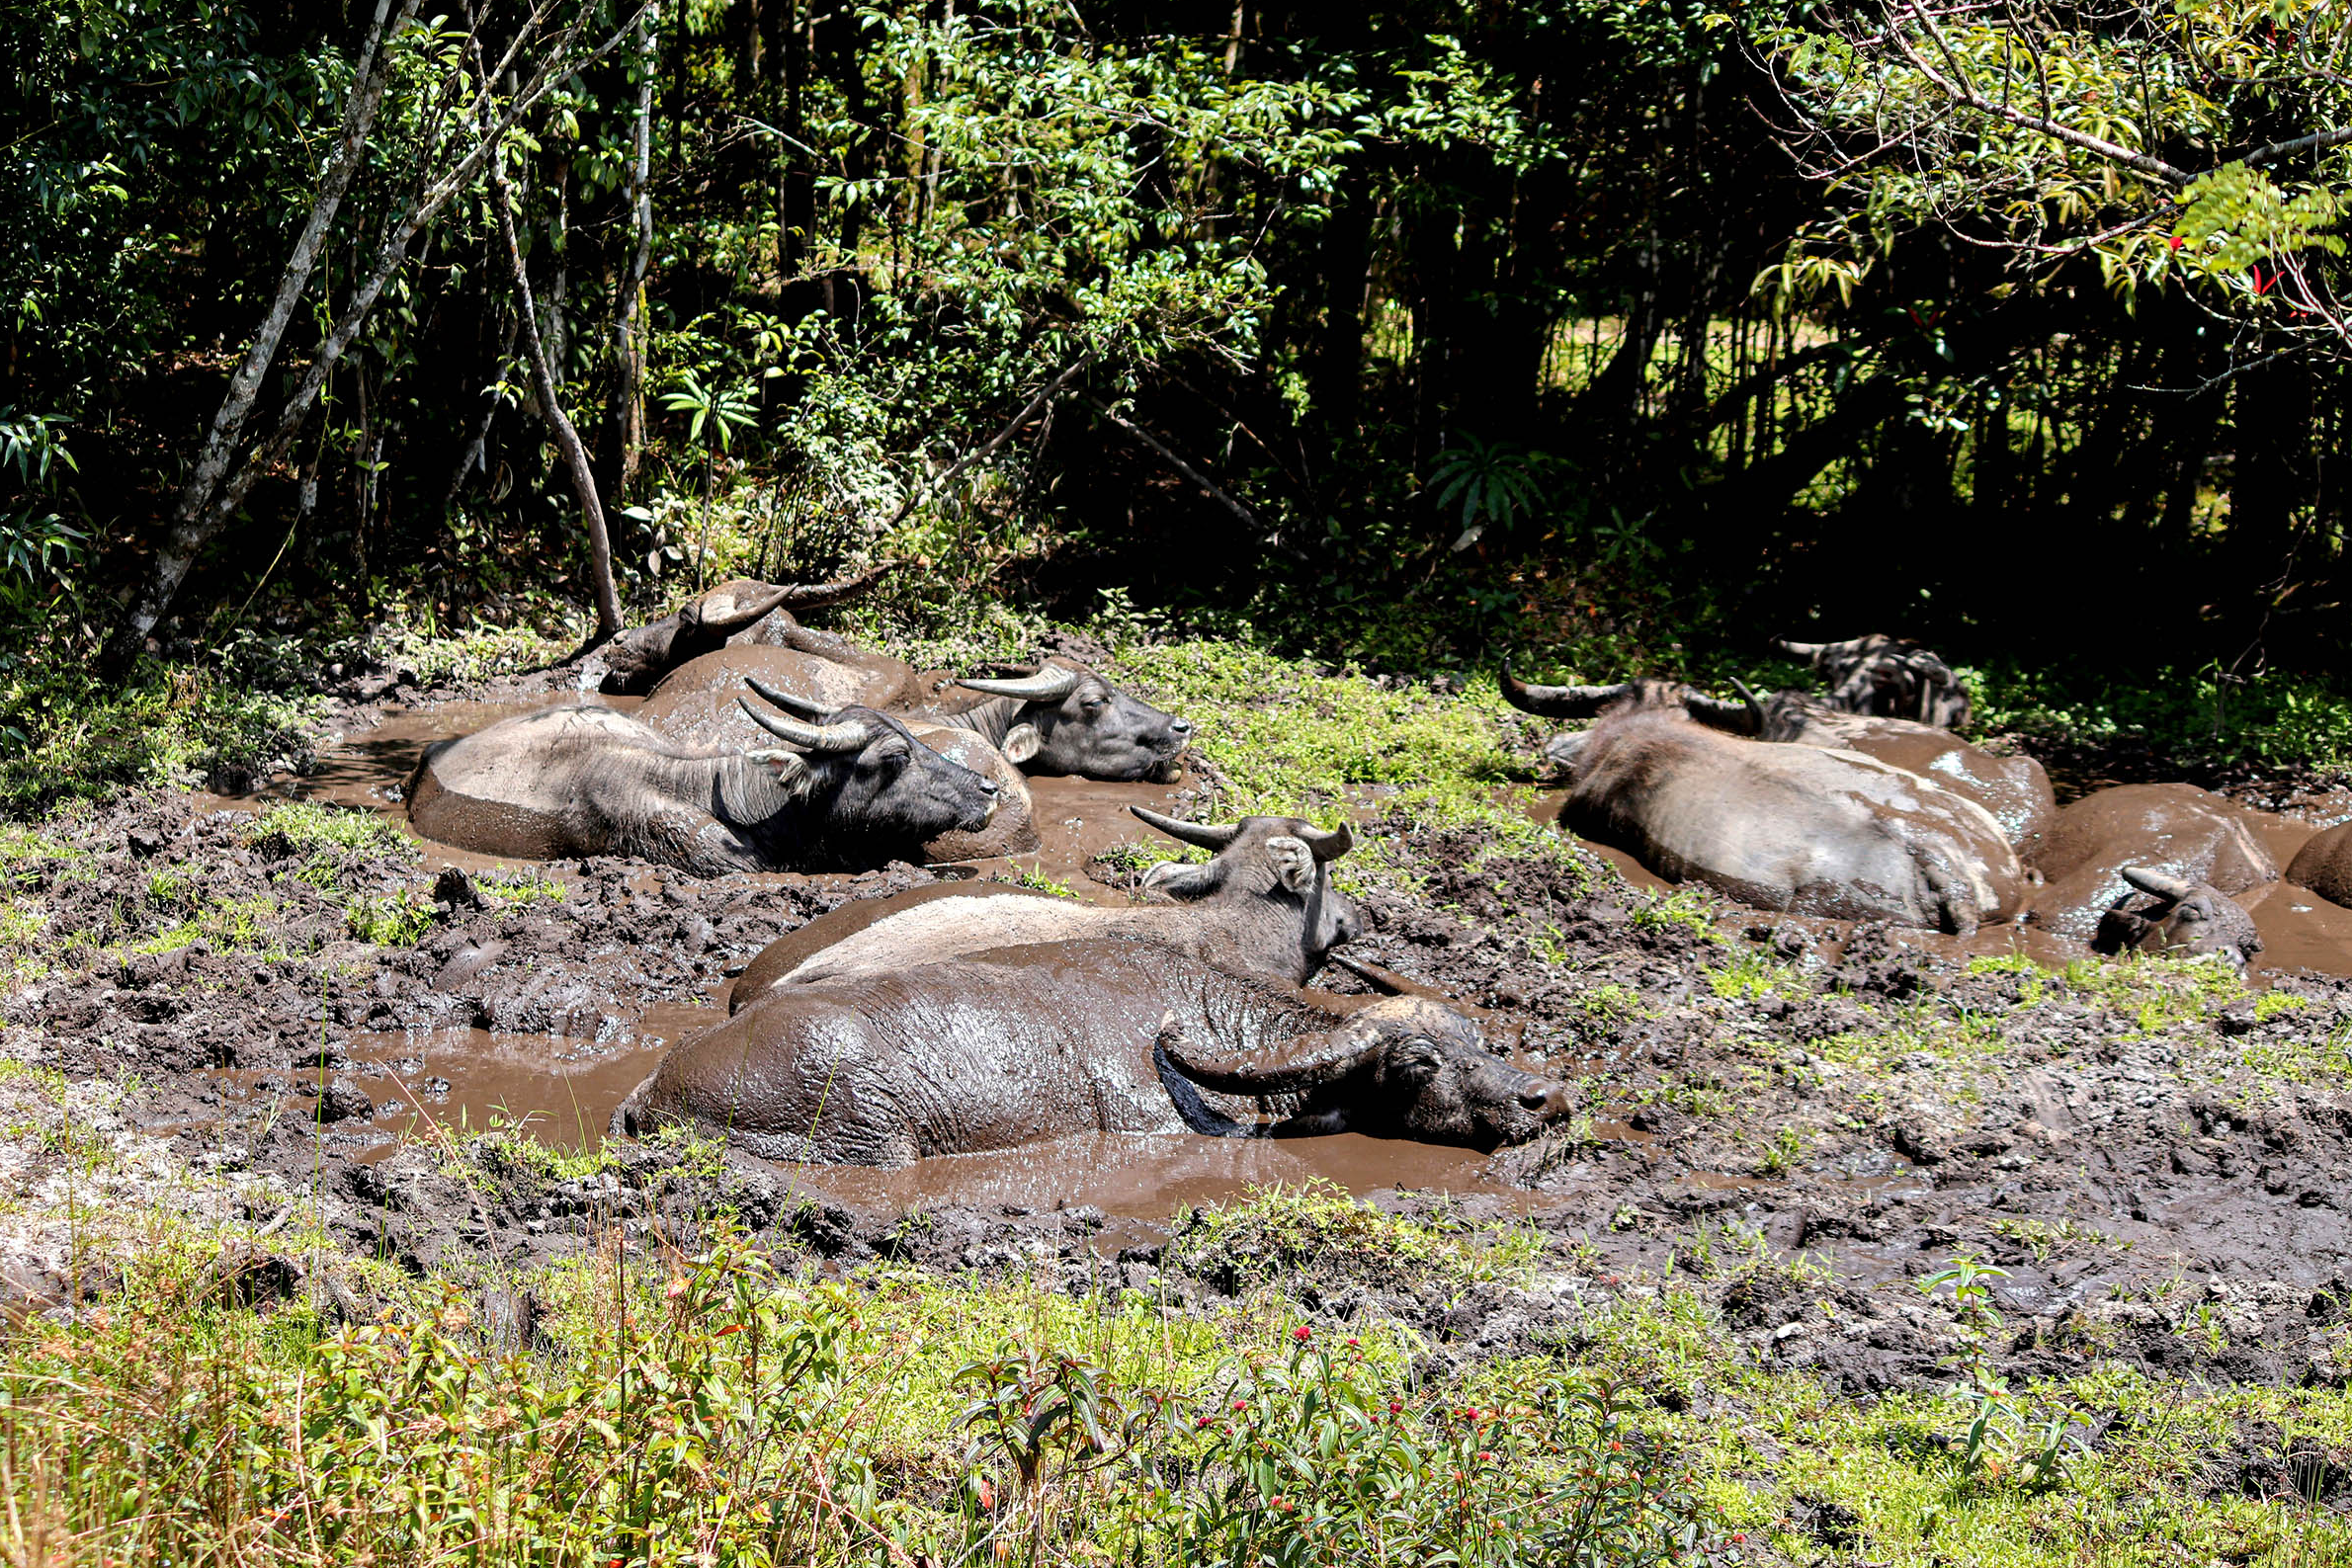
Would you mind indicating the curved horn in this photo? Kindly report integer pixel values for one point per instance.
(1558, 701)
(1755, 704)
(851, 736)
(815, 596)
(2161, 884)
(1207, 835)
(734, 611)
(1304, 1063)
(1328, 843)
(1741, 718)
(787, 700)
(1051, 683)
(1803, 650)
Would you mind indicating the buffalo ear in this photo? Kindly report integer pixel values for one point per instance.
(1294, 861)
(1021, 743)
(786, 765)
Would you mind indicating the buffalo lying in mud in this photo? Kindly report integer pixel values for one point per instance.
(1263, 905)
(1890, 676)
(2324, 865)
(2177, 832)
(1063, 718)
(2177, 917)
(2015, 790)
(584, 780)
(1794, 827)
(738, 611)
(718, 720)
(697, 700)
(1021, 1043)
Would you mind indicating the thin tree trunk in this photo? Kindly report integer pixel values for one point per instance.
(629, 328)
(236, 409)
(567, 440)
(197, 528)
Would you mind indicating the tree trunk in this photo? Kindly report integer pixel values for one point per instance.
(550, 402)
(187, 536)
(629, 330)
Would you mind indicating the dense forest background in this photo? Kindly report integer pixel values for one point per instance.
(1414, 332)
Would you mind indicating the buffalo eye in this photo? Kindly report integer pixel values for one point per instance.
(1417, 1060)
(888, 757)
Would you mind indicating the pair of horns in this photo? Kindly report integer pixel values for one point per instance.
(732, 605)
(1307, 1062)
(1325, 844)
(1583, 702)
(848, 736)
(1051, 683)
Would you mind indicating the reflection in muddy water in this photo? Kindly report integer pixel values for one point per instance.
(1146, 1176)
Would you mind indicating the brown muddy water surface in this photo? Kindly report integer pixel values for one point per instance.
(564, 1087)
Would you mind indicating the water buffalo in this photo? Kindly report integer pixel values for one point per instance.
(2324, 865)
(1891, 677)
(2173, 830)
(584, 780)
(737, 610)
(824, 684)
(1263, 904)
(1798, 828)
(2015, 790)
(1014, 1044)
(2178, 918)
(716, 720)
(1063, 718)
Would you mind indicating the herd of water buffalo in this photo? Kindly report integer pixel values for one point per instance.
(973, 1016)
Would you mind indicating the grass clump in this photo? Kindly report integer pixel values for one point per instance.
(520, 884)
(391, 920)
(311, 828)
(65, 735)
(1319, 1231)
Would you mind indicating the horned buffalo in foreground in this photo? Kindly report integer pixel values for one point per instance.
(2015, 790)
(739, 610)
(1263, 905)
(1792, 828)
(2174, 831)
(584, 780)
(2177, 918)
(1016, 1044)
(1890, 676)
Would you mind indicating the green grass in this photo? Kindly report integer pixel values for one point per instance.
(310, 827)
(1317, 1232)
(391, 920)
(65, 736)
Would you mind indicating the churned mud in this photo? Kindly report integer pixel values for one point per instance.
(415, 1052)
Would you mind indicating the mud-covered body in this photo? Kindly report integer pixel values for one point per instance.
(1888, 676)
(1264, 904)
(2015, 790)
(1793, 828)
(739, 612)
(2175, 830)
(583, 779)
(1017, 1044)
(2324, 865)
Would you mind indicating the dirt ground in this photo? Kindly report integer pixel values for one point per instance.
(2151, 1152)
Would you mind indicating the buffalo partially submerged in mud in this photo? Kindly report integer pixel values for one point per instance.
(1063, 718)
(1793, 828)
(2324, 865)
(583, 779)
(2176, 832)
(738, 611)
(1022, 1043)
(2015, 790)
(2177, 917)
(1263, 905)
(1890, 676)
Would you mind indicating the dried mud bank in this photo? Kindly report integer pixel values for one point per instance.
(314, 1037)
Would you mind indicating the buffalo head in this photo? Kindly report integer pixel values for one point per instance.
(2185, 920)
(1888, 676)
(1402, 1067)
(1283, 860)
(637, 659)
(1070, 720)
(878, 783)
(1626, 696)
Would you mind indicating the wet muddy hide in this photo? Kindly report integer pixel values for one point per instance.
(2177, 918)
(740, 610)
(585, 781)
(1791, 828)
(1063, 720)
(2015, 790)
(821, 682)
(2175, 830)
(2324, 865)
(1017, 1044)
(1264, 905)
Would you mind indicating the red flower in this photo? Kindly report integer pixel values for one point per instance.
(1302, 1334)
(1485, 1458)
(2177, 242)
